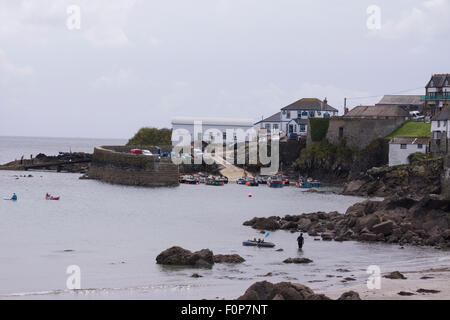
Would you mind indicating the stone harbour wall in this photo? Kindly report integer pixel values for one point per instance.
(359, 133)
(113, 164)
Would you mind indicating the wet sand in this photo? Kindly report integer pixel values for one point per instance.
(430, 279)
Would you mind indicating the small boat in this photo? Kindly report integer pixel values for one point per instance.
(223, 179)
(308, 184)
(51, 198)
(214, 182)
(10, 199)
(275, 182)
(241, 181)
(252, 183)
(251, 243)
(191, 181)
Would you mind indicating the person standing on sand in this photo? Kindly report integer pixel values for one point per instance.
(300, 241)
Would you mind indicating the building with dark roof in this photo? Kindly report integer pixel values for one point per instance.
(377, 112)
(401, 147)
(408, 102)
(304, 109)
(271, 123)
(437, 93)
(293, 118)
(440, 133)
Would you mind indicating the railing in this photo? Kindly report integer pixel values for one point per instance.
(440, 97)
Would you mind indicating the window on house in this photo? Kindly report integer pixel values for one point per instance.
(224, 135)
(288, 115)
(403, 146)
(420, 146)
(302, 128)
(275, 126)
(268, 126)
(304, 114)
(439, 123)
(311, 114)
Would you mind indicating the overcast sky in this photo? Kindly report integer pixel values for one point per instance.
(136, 63)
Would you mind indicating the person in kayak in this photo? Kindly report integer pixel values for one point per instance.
(14, 197)
(300, 241)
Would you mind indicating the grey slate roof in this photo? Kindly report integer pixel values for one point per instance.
(438, 80)
(377, 111)
(443, 115)
(273, 118)
(409, 140)
(300, 121)
(401, 100)
(309, 104)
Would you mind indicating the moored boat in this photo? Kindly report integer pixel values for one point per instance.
(51, 198)
(261, 244)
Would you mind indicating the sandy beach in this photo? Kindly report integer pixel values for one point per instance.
(430, 279)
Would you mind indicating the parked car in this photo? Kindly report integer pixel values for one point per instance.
(136, 151)
(416, 115)
(293, 136)
(147, 153)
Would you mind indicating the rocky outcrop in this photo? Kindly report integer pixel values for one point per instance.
(265, 290)
(228, 258)
(177, 256)
(400, 220)
(350, 295)
(395, 276)
(415, 180)
(298, 260)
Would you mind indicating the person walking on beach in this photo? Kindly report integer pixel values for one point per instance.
(300, 241)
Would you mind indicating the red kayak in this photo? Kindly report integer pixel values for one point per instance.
(51, 198)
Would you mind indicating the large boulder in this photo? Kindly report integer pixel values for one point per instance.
(271, 223)
(385, 228)
(395, 275)
(228, 258)
(298, 260)
(177, 256)
(265, 290)
(350, 295)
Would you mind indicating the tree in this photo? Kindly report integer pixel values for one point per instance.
(151, 137)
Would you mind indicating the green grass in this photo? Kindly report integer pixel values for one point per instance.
(412, 129)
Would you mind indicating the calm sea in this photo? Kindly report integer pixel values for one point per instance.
(114, 233)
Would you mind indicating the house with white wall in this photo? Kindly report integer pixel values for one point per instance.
(437, 93)
(440, 133)
(209, 129)
(294, 117)
(401, 147)
(271, 124)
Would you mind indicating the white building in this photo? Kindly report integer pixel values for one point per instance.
(207, 129)
(294, 117)
(401, 147)
(271, 123)
(440, 132)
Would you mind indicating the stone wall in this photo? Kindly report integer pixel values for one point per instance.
(445, 179)
(112, 164)
(359, 133)
(440, 146)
